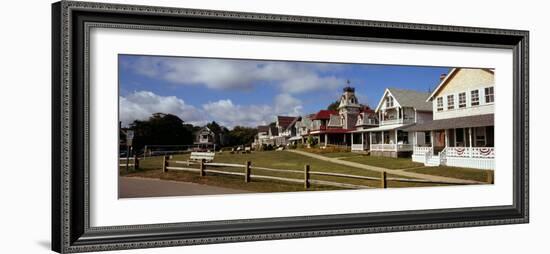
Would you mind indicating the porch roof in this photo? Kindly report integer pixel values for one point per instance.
(385, 127)
(453, 123)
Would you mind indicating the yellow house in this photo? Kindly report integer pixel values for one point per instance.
(462, 131)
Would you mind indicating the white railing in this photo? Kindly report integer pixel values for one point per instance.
(357, 147)
(383, 147)
(404, 147)
(392, 147)
(368, 121)
(397, 121)
(473, 152)
(422, 149)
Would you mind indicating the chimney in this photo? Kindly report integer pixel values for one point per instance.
(442, 77)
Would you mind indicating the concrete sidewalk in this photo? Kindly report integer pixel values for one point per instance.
(389, 171)
(136, 187)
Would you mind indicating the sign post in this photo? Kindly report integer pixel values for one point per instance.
(129, 138)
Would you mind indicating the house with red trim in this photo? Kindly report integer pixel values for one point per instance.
(336, 127)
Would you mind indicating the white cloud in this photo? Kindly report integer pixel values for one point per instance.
(230, 115)
(285, 104)
(290, 77)
(141, 105)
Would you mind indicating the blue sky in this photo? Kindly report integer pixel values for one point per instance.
(252, 92)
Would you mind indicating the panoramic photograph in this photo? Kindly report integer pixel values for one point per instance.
(213, 126)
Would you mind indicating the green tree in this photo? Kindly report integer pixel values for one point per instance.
(161, 129)
(241, 135)
(333, 106)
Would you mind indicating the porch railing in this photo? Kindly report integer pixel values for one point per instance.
(392, 147)
(397, 121)
(422, 149)
(357, 147)
(474, 152)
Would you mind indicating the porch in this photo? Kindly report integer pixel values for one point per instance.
(390, 141)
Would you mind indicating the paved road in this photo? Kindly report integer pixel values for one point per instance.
(390, 171)
(135, 187)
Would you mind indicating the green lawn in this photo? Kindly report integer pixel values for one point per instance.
(384, 162)
(150, 167)
(461, 173)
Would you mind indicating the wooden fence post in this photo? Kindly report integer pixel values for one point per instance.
(202, 168)
(306, 176)
(136, 162)
(491, 177)
(383, 180)
(164, 163)
(247, 172)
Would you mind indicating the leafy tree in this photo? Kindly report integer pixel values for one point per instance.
(334, 105)
(241, 135)
(161, 129)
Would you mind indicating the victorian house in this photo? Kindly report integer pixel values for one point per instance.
(336, 127)
(462, 131)
(397, 110)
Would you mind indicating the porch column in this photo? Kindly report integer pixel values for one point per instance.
(446, 138)
(470, 136)
(345, 138)
(414, 138)
(395, 131)
(326, 139)
(432, 137)
(351, 138)
(382, 137)
(370, 138)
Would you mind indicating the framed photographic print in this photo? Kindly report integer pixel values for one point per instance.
(181, 126)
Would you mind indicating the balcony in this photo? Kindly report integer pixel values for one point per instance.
(397, 121)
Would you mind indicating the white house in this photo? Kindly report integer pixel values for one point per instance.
(397, 110)
(205, 138)
(462, 131)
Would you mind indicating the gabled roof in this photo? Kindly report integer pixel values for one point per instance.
(293, 123)
(446, 80)
(204, 128)
(285, 121)
(324, 114)
(263, 128)
(411, 98)
(408, 98)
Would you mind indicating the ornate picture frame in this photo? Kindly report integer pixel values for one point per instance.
(71, 23)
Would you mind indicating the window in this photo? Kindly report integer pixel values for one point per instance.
(402, 137)
(450, 101)
(459, 137)
(475, 98)
(480, 136)
(427, 138)
(462, 100)
(440, 104)
(389, 102)
(489, 94)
